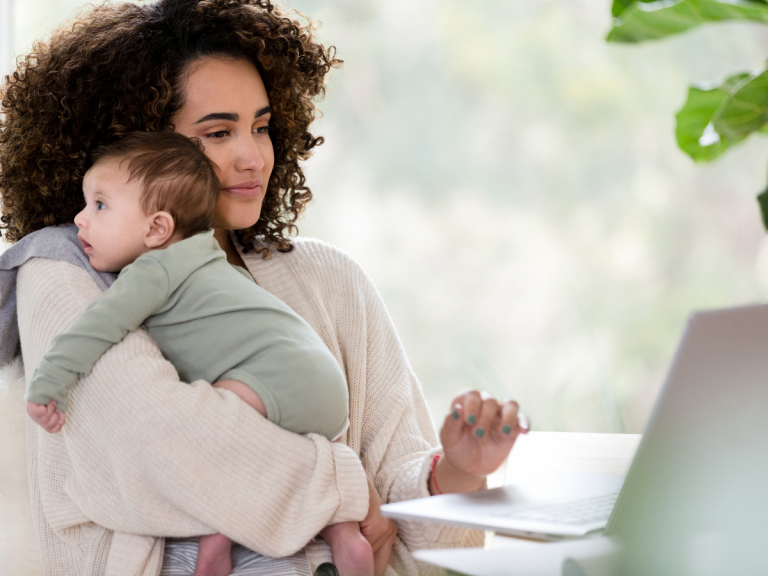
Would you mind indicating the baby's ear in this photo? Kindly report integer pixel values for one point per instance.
(161, 228)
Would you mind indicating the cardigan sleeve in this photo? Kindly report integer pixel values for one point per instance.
(155, 456)
(405, 453)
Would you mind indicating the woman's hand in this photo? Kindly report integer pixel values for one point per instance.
(379, 531)
(476, 436)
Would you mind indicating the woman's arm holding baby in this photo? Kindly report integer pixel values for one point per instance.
(151, 455)
(138, 293)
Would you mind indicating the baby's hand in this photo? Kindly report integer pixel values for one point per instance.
(47, 417)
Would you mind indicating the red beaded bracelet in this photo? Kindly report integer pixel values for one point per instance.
(435, 458)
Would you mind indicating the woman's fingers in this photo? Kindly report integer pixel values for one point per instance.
(453, 425)
(477, 435)
(383, 555)
(377, 529)
(488, 414)
(384, 534)
(509, 423)
(481, 413)
(472, 402)
(524, 423)
(464, 414)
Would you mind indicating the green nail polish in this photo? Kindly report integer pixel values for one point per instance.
(507, 429)
(479, 432)
(455, 414)
(471, 419)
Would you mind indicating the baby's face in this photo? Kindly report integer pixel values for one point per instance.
(112, 226)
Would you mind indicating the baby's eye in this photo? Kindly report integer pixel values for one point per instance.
(100, 205)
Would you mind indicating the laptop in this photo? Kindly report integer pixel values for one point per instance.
(698, 485)
(549, 507)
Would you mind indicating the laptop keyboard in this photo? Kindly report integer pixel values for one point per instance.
(572, 513)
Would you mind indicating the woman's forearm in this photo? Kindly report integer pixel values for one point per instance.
(148, 454)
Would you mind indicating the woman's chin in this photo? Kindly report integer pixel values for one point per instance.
(237, 221)
(237, 214)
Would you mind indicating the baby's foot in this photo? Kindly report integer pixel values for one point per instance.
(213, 556)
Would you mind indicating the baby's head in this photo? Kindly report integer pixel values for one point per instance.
(144, 192)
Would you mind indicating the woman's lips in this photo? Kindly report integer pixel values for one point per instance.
(250, 189)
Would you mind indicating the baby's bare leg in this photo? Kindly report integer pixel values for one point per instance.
(214, 556)
(245, 393)
(352, 553)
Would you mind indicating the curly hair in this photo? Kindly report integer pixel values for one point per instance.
(120, 69)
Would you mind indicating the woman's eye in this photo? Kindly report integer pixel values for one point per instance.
(217, 134)
(100, 205)
(261, 130)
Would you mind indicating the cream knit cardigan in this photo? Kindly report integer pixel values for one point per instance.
(144, 456)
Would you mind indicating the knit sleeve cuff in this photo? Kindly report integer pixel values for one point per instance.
(419, 535)
(352, 484)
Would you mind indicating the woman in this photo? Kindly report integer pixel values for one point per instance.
(180, 460)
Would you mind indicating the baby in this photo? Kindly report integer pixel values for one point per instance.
(150, 200)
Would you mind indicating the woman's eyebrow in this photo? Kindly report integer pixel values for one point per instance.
(231, 116)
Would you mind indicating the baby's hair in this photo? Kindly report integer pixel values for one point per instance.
(177, 176)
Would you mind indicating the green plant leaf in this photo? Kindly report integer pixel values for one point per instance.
(745, 110)
(697, 113)
(620, 5)
(638, 21)
(712, 120)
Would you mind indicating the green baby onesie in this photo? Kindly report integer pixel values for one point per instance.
(212, 322)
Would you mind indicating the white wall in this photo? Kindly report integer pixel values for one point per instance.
(6, 35)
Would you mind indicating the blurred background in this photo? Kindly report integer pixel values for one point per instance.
(512, 185)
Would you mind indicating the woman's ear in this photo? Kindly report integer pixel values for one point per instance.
(161, 228)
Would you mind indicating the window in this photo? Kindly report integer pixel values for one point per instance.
(512, 185)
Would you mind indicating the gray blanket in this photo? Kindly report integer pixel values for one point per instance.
(56, 243)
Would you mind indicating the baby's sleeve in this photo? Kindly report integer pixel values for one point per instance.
(139, 291)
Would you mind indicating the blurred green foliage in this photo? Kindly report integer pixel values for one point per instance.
(697, 114)
(713, 119)
(638, 20)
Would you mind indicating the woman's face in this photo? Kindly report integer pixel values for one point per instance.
(226, 107)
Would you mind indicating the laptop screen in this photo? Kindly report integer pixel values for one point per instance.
(695, 500)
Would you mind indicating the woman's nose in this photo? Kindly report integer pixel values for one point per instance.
(250, 156)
